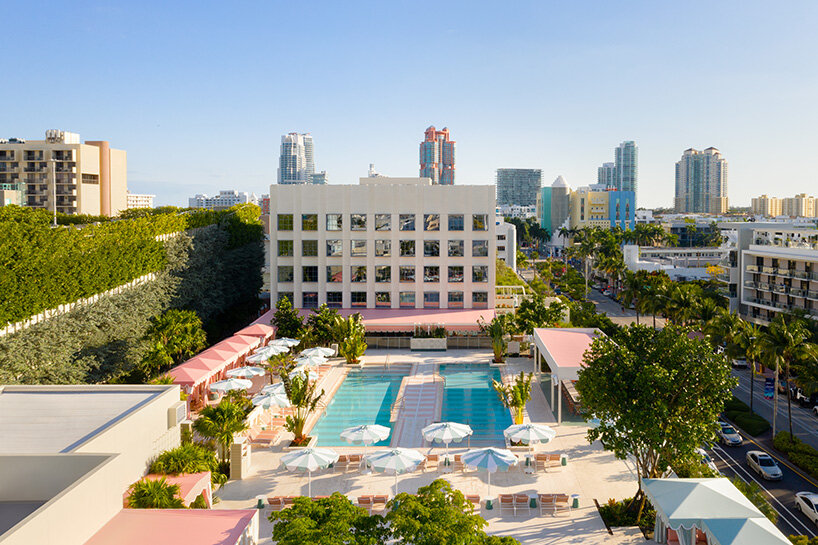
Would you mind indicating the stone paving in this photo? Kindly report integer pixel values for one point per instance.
(591, 472)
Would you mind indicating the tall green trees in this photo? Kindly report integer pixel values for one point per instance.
(221, 423)
(533, 312)
(633, 292)
(327, 521)
(749, 340)
(656, 394)
(286, 320)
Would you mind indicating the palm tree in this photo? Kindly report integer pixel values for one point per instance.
(652, 299)
(155, 494)
(221, 423)
(633, 292)
(496, 330)
(515, 396)
(681, 304)
(749, 339)
(706, 310)
(304, 397)
(350, 334)
(787, 344)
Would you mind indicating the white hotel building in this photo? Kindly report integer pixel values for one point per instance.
(385, 243)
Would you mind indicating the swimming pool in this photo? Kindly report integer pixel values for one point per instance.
(365, 397)
(469, 398)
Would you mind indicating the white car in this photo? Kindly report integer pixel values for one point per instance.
(763, 464)
(742, 364)
(707, 460)
(807, 503)
(728, 435)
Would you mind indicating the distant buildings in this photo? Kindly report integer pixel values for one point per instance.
(296, 161)
(518, 186)
(622, 174)
(222, 201)
(800, 206)
(507, 242)
(60, 172)
(319, 178)
(560, 205)
(606, 175)
(135, 200)
(701, 182)
(517, 211)
(437, 156)
(595, 206)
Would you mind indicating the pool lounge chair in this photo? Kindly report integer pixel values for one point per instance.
(430, 462)
(379, 502)
(458, 463)
(365, 502)
(289, 500)
(507, 502)
(355, 462)
(342, 464)
(548, 504)
(522, 501)
(474, 500)
(276, 503)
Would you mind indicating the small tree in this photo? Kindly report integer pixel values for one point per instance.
(327, 521)
(515, 396)
(221, 423)
(757, 497)
(321, 323)
(155, 494)
(188, 458)
(533, 312)
(350, 334)
(286, 320)
(657, 395)
(179, 331)
(304, 397)
(496, 330)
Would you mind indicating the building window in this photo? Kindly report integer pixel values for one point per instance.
(357, 273)
(309, 248)
(383, 273)
(310, 299)
(285, 248)
(456, 248)
(407, 273)
(358, 248)
(456, 222)
(286, 295)
(480, 299)
(383, 299)
(285, 222)
(431, 273)
(407, 222)
(407, 299)
(480, 273)
(335, 273)
(383, 222)
(479, 248)
(383, 248)
(310, 273)
(456, 273)
(335, 299)
(309, 222)
(335, 222)
(407, 248)
(431, 299)
(335, 248)
(501, 237)
(358, 298)
(431, 248)
(285, 273)
(479, 222)
(455, 299)
(431, 222)
(501, 248)
(357, 222)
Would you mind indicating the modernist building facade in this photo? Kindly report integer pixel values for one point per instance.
(296, 161)
(63, 173)
(437, 156)
(518, 186)
(136, 200)
(385, 243)
(594, 206)
(701, 182)
(224, 200)
(507, 243)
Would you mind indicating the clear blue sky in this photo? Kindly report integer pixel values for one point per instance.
(199, 93)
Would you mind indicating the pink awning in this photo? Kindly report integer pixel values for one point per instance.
(258, 330)
(175, 526)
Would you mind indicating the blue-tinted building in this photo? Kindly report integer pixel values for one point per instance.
(622, 209)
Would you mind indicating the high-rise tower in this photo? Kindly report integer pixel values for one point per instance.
(518, 186)
(437, 156)
(626, 157)
(606, 175)
(701, 182)
(296, 164)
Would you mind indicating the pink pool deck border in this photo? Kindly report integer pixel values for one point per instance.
(404, 319)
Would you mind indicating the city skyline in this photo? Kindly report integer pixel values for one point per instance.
(563, 123)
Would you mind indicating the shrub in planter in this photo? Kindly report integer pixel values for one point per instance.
(751, 423)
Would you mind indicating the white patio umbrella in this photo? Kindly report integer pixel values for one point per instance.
(489, 459)
(286, 341)
(268, 400)
(396, 460)
(446, 432)
(266, 352)
(309, 460)
(529, 433)
(304, 371)
(278, 387)
(245, 372)
(366, 434)
(318, 351)
(311, 361)
(230, 384)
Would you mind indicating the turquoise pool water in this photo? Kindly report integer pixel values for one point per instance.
(365, 397)
(469, 398)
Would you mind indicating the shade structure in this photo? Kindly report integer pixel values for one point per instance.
(446, 432)
(278, 387)
(489, 459)
(266, 352)
(286, 341)
(245, 372)
(257, 330)
(268, 400)
(318, 351)
(310, 361)
(529, 433)
(396, 460)
(366, 434)
(309, 460)
(230, 384)
(304, 371)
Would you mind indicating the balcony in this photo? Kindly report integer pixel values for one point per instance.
(33, 157)
(751, 268)
(7, 156)
(811, 294)
(786, 272)
(780, 288)
(763, 286)
(34, 168)
(749, 284)
(65, 168)
(801, 274)
(769, 270)
(795, 292)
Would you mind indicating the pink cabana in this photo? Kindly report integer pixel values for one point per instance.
(263, 331)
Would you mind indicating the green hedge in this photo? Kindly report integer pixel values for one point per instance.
(798, 452)
(738, 411)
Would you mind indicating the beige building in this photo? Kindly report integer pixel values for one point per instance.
(799, 206)
(589, 208)
(135, 200)
(76, 178)
(766, 206)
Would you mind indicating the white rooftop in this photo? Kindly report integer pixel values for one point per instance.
(59, 419)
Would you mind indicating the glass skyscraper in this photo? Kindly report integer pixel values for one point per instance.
(437, 156)
(626, 156)
(518, 186)
(701, 182)
(296, 163)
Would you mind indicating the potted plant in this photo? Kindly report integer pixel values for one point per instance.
(304, 397)
(496, 330)
(515, 396)
(428, 337)
(350, 334)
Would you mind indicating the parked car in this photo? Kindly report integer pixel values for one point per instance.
(806, 502)
(804, 399)
(728, 435)
(707, 460)
(763, 464)
(740, 363)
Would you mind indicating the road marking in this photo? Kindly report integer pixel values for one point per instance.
(721, 453)
(785, 462)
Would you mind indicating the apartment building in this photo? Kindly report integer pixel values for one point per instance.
(701, 182)
(506, 242)
(437, 156)
(594, 206)
(62, 173)
(766, 206)
(800, 206)
(771, 268)
(518, 186)
(384, 243)
(135, 200)
(224, 200)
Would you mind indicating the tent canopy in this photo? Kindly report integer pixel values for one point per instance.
(564, 347)
(257, 330)
(758, 531)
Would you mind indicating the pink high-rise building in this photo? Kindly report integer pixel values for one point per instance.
(437, 156)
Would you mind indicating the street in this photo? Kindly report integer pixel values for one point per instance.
(612, 309)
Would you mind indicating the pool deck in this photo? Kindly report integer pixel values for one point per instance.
(592, 472)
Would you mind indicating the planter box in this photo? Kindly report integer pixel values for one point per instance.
(427, 344)
(311, 443)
